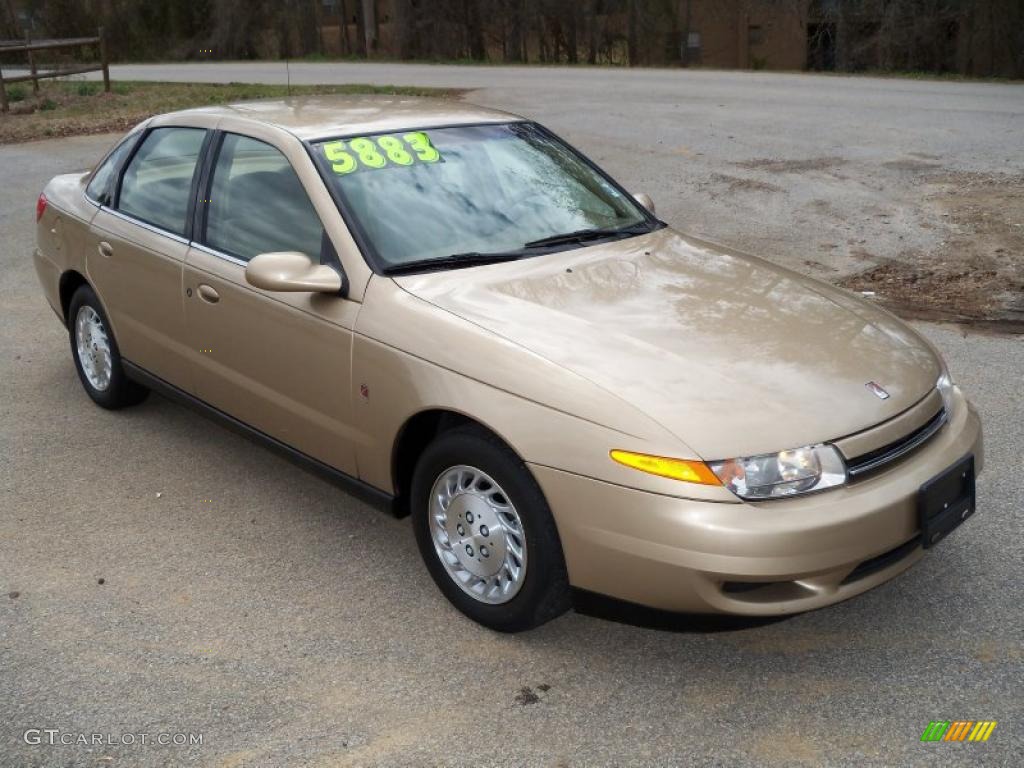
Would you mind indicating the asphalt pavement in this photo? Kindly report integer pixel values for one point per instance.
(160, 575)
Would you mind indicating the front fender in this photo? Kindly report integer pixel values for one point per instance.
(410, 356)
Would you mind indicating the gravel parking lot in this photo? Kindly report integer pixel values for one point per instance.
(159, 575)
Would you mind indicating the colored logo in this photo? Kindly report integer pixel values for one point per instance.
(958, 730)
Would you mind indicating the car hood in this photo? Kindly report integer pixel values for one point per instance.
(732, 354)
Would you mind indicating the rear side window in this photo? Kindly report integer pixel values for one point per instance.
(258, 205)
(157, 183)
(101, 188)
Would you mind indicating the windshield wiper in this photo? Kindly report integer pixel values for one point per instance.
(584, 235)
(475, 258)
(455, 261)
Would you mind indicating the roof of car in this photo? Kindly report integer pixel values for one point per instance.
(318, 117)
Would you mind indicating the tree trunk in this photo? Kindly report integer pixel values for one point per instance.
(573, 44)
(370, 26)
(673, 48)
(967, 33)
(991, 39)
(514, 38)
(343, 42)
(591, 20)
(684, 51)
(403, 36)
(360, 29)
(474, 30)
(524, 16)
(631, 41)
(9, 28)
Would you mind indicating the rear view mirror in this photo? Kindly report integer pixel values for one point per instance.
(291, 271)
(645, 200)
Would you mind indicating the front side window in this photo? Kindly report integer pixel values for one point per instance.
(101, 187)
(505, 189)
(157, 183)
(258, 205)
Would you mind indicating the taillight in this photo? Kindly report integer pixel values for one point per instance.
(40, 207)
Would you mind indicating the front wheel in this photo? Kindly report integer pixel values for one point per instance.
(486, 533)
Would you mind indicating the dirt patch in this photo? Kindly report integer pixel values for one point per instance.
(976, 277)
(737, 184)
(911, 166)
(776, 165)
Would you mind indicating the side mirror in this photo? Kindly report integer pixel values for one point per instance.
(645, 200)
(291, 271)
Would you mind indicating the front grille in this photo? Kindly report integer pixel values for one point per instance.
(769, 591)
(866, 463)
(739, 587)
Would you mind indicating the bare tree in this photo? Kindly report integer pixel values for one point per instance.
(975, 37)
(9, 27)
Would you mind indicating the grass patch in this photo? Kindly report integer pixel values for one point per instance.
(71, 108)
(896, 74)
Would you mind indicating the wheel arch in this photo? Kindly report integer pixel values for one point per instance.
(414, 436)
(70, 281)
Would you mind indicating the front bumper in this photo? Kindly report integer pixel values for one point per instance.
(758, 559)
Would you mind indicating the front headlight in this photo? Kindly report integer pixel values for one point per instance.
(946, 386)
(787, 473)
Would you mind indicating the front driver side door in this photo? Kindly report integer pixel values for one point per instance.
(280, 362)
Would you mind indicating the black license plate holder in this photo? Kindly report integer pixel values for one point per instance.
(945, 501)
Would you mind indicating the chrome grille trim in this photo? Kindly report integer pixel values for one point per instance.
(861, 465)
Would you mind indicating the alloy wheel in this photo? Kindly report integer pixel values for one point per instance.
(93, 346)
(477, 534)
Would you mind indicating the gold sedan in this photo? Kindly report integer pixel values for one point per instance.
(456, 315)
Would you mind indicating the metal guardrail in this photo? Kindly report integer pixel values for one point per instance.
(28, 47)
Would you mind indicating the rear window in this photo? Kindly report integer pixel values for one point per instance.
(157, 183)
(101, 188)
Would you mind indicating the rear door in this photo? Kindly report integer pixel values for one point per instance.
(280, 362)
(136, 250)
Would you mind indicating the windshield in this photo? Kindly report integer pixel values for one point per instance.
(469, 191)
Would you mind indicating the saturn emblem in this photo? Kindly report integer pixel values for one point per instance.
(877, 390)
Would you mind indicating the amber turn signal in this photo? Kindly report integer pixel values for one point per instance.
(676, 469)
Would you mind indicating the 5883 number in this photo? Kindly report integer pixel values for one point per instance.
(380, 151)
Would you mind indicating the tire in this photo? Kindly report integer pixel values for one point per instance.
(101, 374)
(493, 473)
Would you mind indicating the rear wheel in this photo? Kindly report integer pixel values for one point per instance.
(96, 355)
(486, 533)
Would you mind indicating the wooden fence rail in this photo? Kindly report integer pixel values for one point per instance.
(28, 47)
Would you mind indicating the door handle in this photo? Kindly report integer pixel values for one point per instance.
(105, 249)
(207, 294)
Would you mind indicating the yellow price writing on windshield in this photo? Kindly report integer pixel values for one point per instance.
(371, 153)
